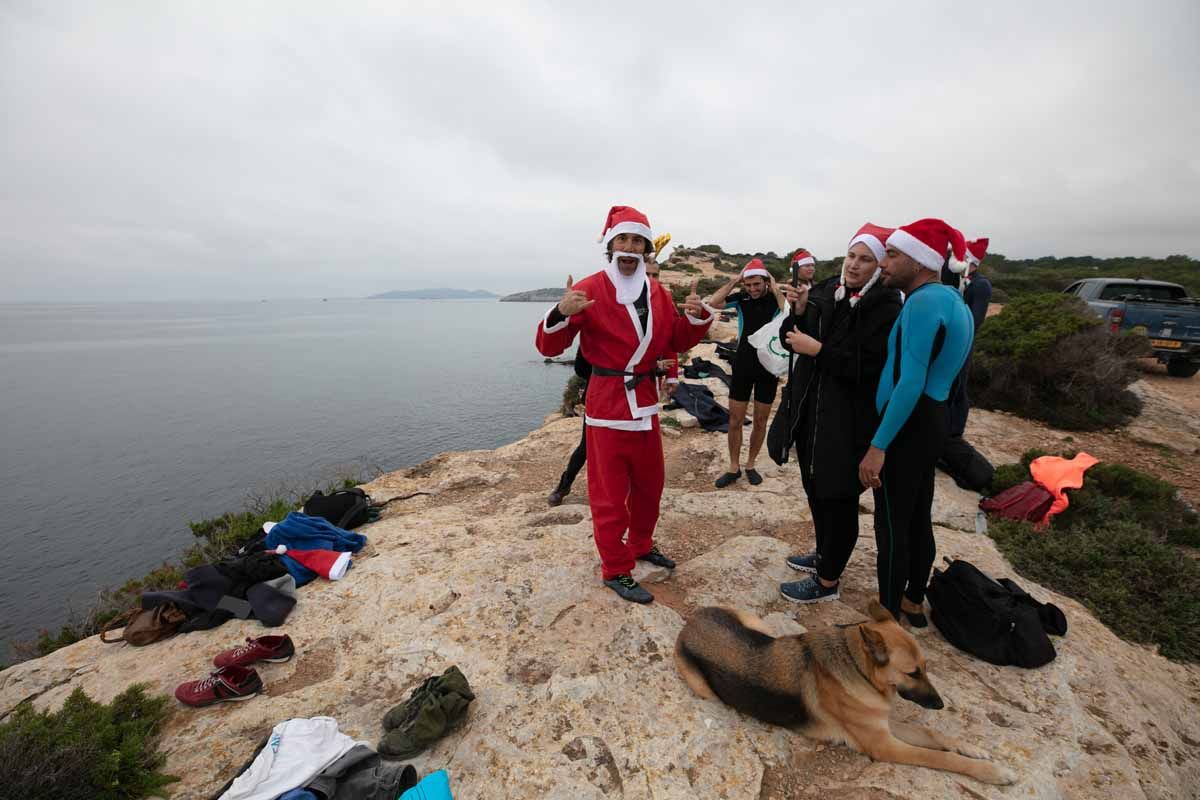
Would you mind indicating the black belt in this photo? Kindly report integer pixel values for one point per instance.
(634, 377)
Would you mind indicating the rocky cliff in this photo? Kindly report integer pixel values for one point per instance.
(577, 693)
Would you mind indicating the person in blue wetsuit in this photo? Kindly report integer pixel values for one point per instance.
(927, 347)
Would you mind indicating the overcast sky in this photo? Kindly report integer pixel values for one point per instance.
(241, 150)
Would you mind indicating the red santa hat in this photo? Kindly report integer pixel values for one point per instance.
(803, 258)
(926, 242)
(873, 236)
(754, 267)
(976, 250)
(329, 564)
(625, 219)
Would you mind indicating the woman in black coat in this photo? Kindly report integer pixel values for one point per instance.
(839, 331)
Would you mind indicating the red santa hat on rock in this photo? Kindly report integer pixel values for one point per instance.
(329, 564)
(625, 219)
(755, 267)
(803, 258)
(873, 236)
(926, 241)
(976, 251)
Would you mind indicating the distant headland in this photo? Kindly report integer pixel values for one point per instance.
(436, 294)
(535, 296)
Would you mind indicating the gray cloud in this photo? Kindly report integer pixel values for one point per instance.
(168, 150)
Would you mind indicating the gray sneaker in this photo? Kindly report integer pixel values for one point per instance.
(629, 589)
(805, 563)
(808, 590)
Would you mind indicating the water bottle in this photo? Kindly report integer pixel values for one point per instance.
(980, 522)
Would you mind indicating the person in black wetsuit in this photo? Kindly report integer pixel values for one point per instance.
(839, 332)
(926, 350)
(977, 294)
(761, 302)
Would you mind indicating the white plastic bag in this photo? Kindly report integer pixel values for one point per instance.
(771, 354)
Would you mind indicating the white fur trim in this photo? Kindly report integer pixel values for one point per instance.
(548, 328)
(643, 424)
(750, 273)
(804, 262)
(672, 380)
(971, 259)
(627, 227)
(340, 565)
(958, 267)
(872, 242)
(644, 337)
(917, 250)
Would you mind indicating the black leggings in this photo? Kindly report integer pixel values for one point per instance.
(836, 524)
(903, 529)
(576, 462)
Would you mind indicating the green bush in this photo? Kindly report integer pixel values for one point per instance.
(710, 248)
(572, 395)
(1047, 357)
(1142, 589)
(85, 749)
(1115, 549)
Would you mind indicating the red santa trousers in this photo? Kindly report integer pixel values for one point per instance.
(625, 484)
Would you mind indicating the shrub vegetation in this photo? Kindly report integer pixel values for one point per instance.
(85, 749)
(1014, 278)
(1116, 550)
(1046, 357)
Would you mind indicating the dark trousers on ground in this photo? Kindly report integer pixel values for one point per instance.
(574, 464)
(836, 524)
(903, 529)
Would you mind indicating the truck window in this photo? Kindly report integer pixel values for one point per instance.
(1115, 291)
(1073, 288)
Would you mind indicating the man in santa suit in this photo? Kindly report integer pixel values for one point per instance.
(625, 323)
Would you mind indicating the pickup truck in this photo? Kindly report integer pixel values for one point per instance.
(1159, 310)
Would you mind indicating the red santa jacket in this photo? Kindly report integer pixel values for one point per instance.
(610, 336)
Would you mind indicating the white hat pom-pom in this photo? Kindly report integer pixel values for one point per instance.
(281, 549)
(958, 267)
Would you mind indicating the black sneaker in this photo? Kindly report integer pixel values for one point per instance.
(808, 590)
(656, 557)
(556, 498)
(804, 563)
(728, 478)
(629, 589)
(753, 476)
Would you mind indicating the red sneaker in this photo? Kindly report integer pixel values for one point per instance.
(274, 649)
(227, 683)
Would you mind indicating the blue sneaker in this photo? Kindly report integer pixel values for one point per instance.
(808, 590)
(805, 563)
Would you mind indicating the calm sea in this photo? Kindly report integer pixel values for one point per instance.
(122, 422)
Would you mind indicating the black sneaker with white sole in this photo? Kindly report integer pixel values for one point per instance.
(808, 590)
(806, 562)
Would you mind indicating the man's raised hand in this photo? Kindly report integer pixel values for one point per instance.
(694, 305)
(573, 301)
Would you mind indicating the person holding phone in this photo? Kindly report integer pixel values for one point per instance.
(839, 332)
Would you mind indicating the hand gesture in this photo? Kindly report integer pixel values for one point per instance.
(802, 343)
(693, 304)
(573, 301)
(796, 295)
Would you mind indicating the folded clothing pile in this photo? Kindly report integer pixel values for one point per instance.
(431, 710)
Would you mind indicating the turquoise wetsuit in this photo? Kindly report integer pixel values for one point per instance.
(926, 349)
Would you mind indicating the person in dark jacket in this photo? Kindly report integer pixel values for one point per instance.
(839, 330)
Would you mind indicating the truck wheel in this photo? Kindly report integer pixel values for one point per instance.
(1182, 368)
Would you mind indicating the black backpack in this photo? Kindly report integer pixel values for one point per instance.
(345, 508)
(994, 620)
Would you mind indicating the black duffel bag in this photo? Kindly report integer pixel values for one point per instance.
(345, 508)
(996, 621)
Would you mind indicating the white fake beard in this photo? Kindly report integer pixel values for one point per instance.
(629, 289)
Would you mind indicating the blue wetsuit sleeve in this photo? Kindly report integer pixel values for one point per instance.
(920, 329)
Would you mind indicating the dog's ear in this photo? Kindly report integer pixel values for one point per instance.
(879, 613)
(875, 646)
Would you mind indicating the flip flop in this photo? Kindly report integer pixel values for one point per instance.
(728, 478)
(753, 476)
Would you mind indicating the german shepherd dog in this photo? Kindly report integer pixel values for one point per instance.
(836, 685)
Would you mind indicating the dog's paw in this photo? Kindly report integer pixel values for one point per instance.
(997, 775)
(971, 751)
